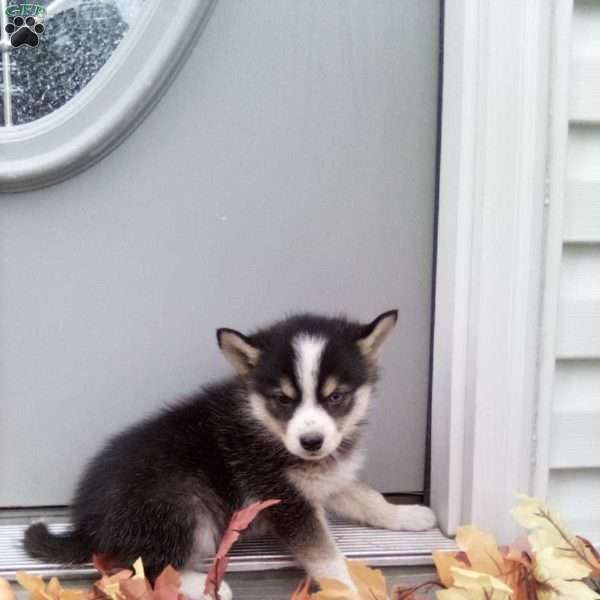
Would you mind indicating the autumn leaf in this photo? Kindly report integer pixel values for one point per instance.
(301, 592)
(481, 549)
(6, 592)
(561, 560)
(518, 573)
(110, 585)
(370, 585)
(558, 554)
(591, 555)
(563, 590)
(479, 553)
(102, 563)
(38, 590)
(111, 589)
(551, 563)
(403, 592)
(125, 584)
(167, 584)
(138, 569)
(444, 561)
(74, 594)
(332, 589)
(136, 588)
(369, 582)
(472, 580)
(471, 585)
(122, 585)
(545, 527)
(239, 521)
(560, 576)
(128, 585)
(32, 583)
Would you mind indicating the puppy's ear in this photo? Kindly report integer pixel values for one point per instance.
(372, 335)
(238, 350)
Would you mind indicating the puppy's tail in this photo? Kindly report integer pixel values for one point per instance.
(70, 547)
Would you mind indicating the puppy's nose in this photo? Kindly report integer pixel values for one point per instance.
(311, 441)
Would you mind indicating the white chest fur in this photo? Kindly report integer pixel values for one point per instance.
(318, 482)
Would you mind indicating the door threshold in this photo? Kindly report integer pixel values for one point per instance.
(375, 547)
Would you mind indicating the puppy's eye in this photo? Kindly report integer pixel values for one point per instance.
(282, 399)
(336, 398)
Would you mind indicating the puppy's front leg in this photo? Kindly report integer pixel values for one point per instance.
(363, 504)
(303, 528)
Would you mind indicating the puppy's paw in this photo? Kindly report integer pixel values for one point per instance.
(411, 518)
(336, 569)
(345, 580)
(192, 585)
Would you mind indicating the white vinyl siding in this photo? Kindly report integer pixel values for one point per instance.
(574, 453)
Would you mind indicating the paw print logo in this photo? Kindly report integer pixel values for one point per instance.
(24, 31)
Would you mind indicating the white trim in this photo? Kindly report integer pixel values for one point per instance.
(6, 73)
(558, 138)
(492, 189)
(110, 107)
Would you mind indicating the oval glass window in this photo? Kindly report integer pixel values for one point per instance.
(54, 49)
(78, 75)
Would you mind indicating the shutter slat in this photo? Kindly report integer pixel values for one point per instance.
(575, 440)
(575, 495)
(582, 212)
(577, 386)
(578, 330)
(584, 90)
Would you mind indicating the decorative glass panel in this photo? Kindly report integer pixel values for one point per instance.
(53, 48)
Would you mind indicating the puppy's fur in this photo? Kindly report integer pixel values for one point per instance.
(287, 426)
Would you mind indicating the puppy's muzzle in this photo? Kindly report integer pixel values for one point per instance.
(311, 442)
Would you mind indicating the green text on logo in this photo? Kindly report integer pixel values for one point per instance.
(25, 10)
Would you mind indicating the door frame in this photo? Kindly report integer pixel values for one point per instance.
(490, 255)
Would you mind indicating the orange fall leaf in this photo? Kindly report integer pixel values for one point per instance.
(239, 521)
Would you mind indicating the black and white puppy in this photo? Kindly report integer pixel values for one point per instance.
(287, 426)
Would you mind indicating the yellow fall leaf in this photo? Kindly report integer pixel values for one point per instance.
(453, 594)
(332, 589)
(444, 561)
(546, 528)
(466, 579)
(472, 585)
(591, 556)
(54, 588)
(39, 590)
(563, 590)
(551, 563)
(32, 583)
(6, 592)
(559, 556)
(73, 595)
(138, 567)
(481, 549)
(370, 585)
(370, 582)
(113, 590)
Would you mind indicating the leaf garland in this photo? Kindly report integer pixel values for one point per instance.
(552, 564)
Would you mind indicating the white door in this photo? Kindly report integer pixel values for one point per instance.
(291, 165)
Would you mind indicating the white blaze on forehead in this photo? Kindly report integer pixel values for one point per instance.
(310, 417)
(308, 350)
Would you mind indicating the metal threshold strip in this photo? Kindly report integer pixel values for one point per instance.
(376, 547)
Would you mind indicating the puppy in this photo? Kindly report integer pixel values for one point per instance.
(287, 426)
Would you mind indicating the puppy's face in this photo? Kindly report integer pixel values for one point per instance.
(310, 378)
